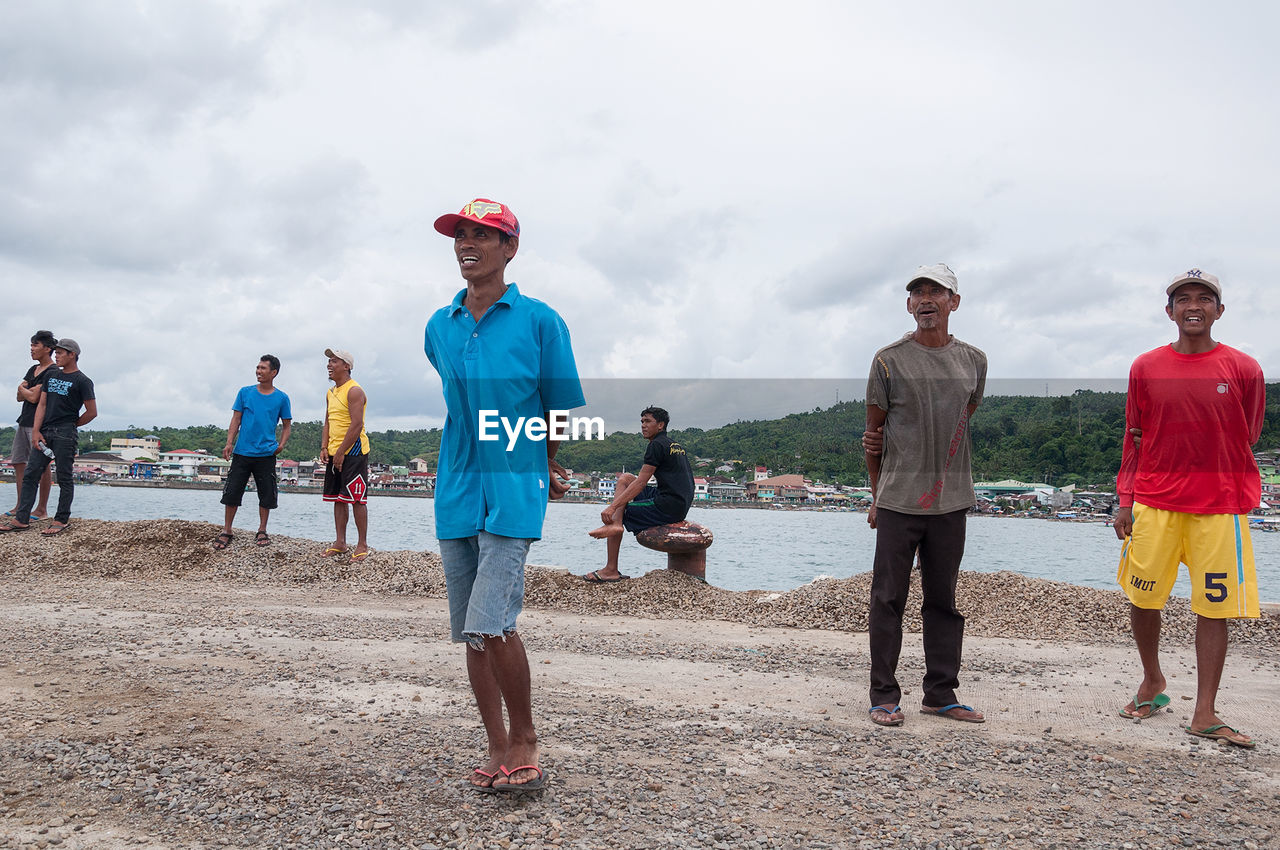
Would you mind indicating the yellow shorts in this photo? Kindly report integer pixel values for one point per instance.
(1216, 549)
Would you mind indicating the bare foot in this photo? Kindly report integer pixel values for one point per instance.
(887, 715)
(482, 777)
(606, 531)
(963, 713)
(518, 756)
(1148, 691)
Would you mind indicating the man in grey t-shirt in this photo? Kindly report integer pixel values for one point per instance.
(920, 395)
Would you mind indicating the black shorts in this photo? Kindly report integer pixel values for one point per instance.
(351, 483)
(641, 512)
(263, 470)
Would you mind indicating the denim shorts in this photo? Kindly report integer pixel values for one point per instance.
(484, 576)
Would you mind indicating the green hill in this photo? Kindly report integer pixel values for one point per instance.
(1059, 439)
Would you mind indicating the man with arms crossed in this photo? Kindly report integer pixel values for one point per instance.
(920, 395)
(29, 394)
(1185, 492)
(499, 352)
(252, 435)
(58, 416)
(637, 504)
(344, 448)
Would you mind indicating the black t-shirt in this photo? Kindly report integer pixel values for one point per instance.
(27, 417)
(64, 395)
(673, 475)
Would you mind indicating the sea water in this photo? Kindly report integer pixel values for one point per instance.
(754, 549)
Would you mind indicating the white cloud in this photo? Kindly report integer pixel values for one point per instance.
(706, 192)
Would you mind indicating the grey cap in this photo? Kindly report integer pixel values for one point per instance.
(69, 344)
(1196, 276)
(939, 273)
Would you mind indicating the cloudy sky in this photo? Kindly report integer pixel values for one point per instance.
(727, 196)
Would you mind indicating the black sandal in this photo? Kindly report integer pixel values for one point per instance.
(261, 539)
(222, 541)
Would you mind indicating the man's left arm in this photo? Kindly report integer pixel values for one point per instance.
(90, 412)
(1255, 406)
(560, 389)
(557, 478)
(284, 435)
(355, 406)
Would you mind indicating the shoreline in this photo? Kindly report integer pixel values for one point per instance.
(157, 694)
(592, 500)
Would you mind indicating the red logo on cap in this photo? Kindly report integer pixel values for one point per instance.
(480, 209)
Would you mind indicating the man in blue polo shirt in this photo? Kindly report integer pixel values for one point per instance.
(502, 357)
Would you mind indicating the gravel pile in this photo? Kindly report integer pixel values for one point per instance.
(157, 694)
(1000, 604)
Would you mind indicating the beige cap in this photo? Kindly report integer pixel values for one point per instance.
(1196, 276)
(341, 354)
(939, 273)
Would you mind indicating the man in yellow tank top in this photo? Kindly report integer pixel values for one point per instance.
(345, 451)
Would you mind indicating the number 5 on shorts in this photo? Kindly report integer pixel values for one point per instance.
(1215, 588)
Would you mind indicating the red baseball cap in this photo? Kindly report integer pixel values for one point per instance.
(481, 211)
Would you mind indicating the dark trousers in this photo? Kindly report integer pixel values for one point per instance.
(940, 539)
(63, 440)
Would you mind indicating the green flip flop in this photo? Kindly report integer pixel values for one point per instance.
(1156, 703)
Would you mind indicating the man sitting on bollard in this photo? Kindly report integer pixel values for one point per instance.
(637, 504)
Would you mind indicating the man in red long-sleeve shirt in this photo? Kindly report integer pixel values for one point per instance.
(1185, 491)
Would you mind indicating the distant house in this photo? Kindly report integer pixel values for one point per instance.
(422, 480)
(761, 473)
(149, 445)
(212, 469)
(419, 465)
(700, 490)
(726, 491)
(287, 470)
(781, 488)
(111, 464)
(184, 463)
(605, 486)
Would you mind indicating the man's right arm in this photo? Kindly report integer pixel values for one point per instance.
(232, 430)
(876, 417)
(1131, 440)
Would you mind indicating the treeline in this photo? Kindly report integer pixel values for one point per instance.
(1061, 439)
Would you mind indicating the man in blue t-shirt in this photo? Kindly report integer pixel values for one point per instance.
(252, 448)
(502, 356)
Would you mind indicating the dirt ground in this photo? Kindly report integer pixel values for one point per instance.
(183, 714)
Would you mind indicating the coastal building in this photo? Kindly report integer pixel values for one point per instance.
(727, 491)
(700, 490)
(422, 480)
(762, 473)
(604, 485)
(212, 470)
(107, 464)
(419, 465)
(286, 470)
(186, 463)
(149, 445)
(780, 488)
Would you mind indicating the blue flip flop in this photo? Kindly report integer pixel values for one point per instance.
(942, 712)
(1156, 703)
(896, 709)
